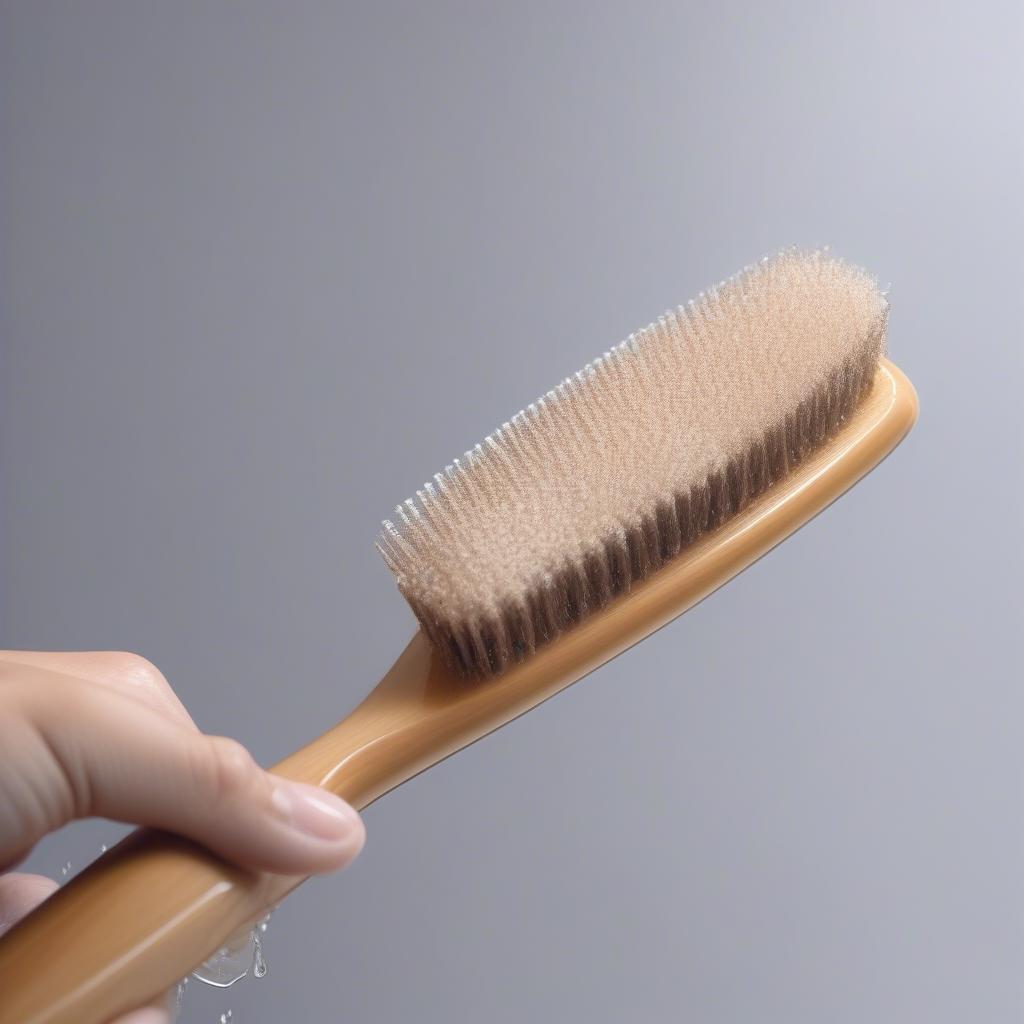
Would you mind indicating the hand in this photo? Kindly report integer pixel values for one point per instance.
(103, 735)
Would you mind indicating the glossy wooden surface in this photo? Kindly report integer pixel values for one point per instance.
(150, 909)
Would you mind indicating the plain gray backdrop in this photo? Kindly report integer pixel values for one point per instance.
(265, 267)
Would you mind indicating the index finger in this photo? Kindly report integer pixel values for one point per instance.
(130, 674)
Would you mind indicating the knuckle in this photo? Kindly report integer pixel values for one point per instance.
(231, 767)
(134, 667)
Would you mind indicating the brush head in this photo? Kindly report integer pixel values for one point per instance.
(617, 470)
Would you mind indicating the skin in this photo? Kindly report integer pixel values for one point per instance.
(102, 734)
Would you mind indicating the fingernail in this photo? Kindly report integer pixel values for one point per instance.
(314, 811)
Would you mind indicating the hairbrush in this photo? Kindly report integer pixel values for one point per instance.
(586, 522)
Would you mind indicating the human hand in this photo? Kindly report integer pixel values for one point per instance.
(102, 734)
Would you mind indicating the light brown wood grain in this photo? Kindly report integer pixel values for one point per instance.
(153, 907)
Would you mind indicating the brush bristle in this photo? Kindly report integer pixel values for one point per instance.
(622, 466)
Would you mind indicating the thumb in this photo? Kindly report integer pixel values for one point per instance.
(84, 750)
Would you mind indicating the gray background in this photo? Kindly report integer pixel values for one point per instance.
(267, 266)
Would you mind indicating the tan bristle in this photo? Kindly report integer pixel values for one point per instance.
(604, 479)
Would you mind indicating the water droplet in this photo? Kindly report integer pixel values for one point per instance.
(65, 871)
(103, 847)
(225, 1017)
(226, 966)
(259, 961)
(178, 996)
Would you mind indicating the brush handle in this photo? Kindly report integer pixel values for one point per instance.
(127, 928)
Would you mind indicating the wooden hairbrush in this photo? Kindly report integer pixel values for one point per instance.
(591, 519)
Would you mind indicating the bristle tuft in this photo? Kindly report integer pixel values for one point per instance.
(609, 476)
